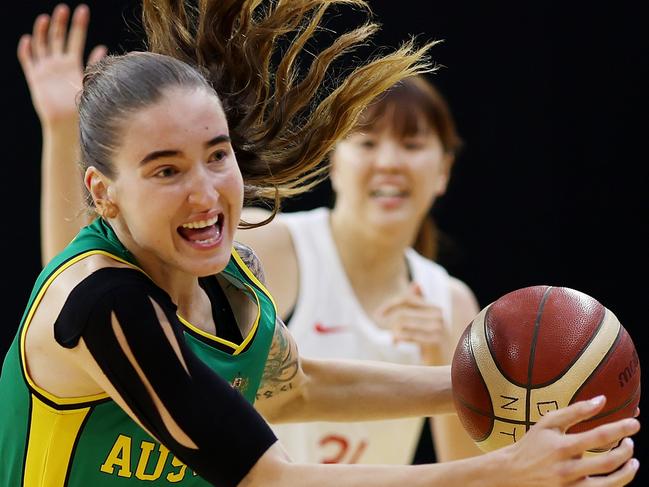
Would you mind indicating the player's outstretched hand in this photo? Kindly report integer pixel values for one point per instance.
(547, 456)
(52, 61)
(412, 319)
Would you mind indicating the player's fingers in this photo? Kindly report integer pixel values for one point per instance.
(604, 435)
(598, 464)
(410, 302)
(78, 30)
(24, 53)
(417, 320)
(418, 324)
(564, 418)
(58, 26)
(39, 36)
(97, 53)
(620, 477)
(416, 289)
(418, 337)
(419, 334)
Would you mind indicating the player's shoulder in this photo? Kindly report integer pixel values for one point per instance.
(267, 238)
(103, 271)
(251, 259)
(463, 302)
(460, 291)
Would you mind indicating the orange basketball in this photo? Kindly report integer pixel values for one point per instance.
(535, 350)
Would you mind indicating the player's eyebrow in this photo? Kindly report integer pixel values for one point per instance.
(219, 139)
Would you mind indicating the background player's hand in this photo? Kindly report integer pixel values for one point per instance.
(412, 319)
(546, 456)
(52, 61)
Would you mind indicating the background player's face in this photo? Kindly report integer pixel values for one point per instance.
(389, 180)
(178, 187)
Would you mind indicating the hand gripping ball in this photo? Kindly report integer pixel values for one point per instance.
(535, 350)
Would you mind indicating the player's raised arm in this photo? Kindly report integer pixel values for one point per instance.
(52, 61)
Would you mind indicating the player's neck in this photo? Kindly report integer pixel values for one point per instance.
(368, 260)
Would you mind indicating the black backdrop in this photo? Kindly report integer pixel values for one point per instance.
(550, 98)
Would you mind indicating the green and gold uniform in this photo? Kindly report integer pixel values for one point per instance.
(47, 441)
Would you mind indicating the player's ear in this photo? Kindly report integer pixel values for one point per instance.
(100, 188)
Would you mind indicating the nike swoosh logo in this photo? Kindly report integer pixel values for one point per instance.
(324, 329)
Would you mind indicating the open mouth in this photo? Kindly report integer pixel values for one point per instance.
(203, 233)
(388, 192)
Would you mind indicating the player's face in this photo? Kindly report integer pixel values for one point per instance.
(387, 179)
(178, 187)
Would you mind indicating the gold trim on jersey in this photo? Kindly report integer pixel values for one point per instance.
(52, 437)
(238, 348)
(250, 275)
(244, 267)
(61, 401)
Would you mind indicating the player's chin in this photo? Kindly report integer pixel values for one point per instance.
(205, 261)
(208, 267)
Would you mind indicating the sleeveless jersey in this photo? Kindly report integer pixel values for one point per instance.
(329, 323)
(47, 441)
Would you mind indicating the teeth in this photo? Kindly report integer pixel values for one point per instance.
(207, 241)
(388, 191)
(201, 223)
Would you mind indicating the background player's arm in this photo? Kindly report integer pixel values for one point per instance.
(52, 62)
(452, 441)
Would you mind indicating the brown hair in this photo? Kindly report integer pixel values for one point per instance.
(410, 107)
(403, 108)
(280, 135)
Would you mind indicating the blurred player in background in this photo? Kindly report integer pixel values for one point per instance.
(348, 282)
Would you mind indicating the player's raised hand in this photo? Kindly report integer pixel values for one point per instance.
(547, 456)
(412, 319)
(52, 61)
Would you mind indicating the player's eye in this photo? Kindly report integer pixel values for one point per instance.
(165, 172)
(218, 155)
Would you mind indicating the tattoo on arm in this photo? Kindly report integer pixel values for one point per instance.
(282, 369)
(251, 260)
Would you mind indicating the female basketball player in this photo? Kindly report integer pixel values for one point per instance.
(412, 124)
(142, 331)
(349, 285)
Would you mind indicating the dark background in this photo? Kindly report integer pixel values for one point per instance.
(551, 188)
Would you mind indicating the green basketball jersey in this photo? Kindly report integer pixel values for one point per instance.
(47, 441)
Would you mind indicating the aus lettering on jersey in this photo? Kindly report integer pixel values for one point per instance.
(151, 466)
(146, 465)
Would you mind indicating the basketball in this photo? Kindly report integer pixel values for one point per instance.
(535, 350)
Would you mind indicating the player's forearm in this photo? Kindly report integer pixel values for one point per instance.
(364, 390)
(61, 188)
(274, 470)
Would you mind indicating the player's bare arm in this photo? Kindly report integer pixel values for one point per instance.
(283, 377)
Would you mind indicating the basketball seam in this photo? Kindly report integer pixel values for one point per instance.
(530, 367)
(603, 362)
(577, 356)
(491, 414)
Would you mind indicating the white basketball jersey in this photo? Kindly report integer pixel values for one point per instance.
(329, 322)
